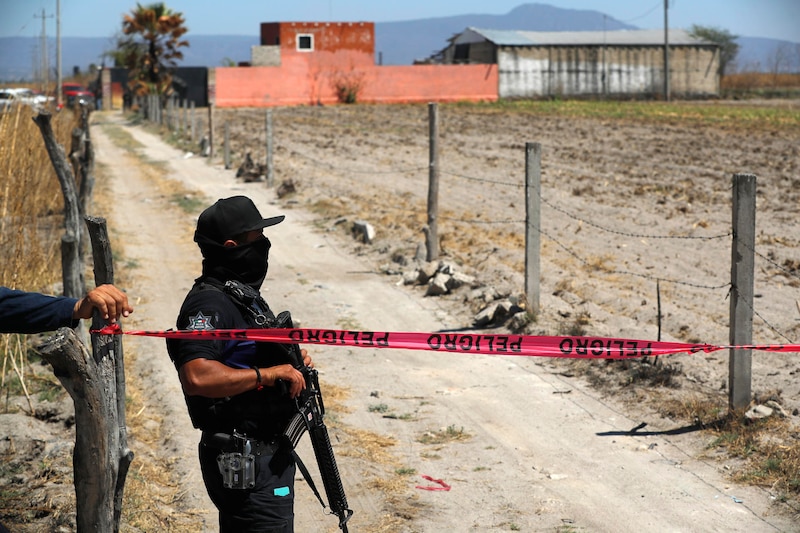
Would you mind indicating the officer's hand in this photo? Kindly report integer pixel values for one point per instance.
(109, 300)
(306, 358)
(293, 378)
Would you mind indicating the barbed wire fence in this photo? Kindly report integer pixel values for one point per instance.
(738, 288)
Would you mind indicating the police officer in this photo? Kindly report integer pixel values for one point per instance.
(239, 393)
(32, 312)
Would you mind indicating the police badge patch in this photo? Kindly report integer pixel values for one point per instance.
(200, 322)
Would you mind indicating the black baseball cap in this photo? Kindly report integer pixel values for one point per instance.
(230, 217)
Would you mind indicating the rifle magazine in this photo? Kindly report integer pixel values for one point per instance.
(296, 428)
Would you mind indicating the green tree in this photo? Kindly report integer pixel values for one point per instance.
(127, 52)
(728, 47)
(151, 46)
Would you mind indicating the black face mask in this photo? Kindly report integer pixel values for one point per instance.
(247, 262)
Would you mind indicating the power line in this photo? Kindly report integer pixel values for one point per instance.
(646, 14)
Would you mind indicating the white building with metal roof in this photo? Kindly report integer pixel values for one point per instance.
(626, 63)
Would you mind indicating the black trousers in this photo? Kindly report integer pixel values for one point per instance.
(266, 508)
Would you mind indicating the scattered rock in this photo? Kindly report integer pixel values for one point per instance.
(518, 321)
(364, 231)
(286, 188)
(777, 408)
(438, 285)
(249, 171)
(758, 411)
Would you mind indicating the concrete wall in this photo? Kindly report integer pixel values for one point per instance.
(431, 83)
(309, 79)
(529, 72)
(343, 56)
(265, 56)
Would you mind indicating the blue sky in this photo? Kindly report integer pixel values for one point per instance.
(777, 19)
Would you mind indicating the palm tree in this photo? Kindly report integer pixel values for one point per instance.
(151, 47)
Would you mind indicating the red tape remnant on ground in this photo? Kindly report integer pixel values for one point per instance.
(440, 484)
(476, 343)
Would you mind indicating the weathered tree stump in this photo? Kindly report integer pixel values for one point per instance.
(96, 459)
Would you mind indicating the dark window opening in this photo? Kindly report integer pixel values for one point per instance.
(461, 53)
(305, 42)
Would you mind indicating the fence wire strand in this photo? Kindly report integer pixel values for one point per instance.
(631, 235)
(635, 235)
(766, 322)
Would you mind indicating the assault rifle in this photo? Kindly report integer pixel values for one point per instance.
(309, 417)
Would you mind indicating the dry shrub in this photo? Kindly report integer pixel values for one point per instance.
(31, 215)
(348, 85)
(768, 449)
(759, 80)
(31, 203)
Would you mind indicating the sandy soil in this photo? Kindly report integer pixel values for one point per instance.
(526, 444)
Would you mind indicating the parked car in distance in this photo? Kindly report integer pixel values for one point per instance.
(76, 94)
(23, 96)
(7, 99)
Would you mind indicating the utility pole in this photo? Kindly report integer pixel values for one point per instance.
(666, 51)
(604, 75)
(44, 65)
(58, 54)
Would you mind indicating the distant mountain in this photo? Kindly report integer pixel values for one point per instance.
(19, 55)
(397, 43)
(767, 55)
(400, 43)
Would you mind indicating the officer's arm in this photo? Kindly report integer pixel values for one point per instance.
(212, 379)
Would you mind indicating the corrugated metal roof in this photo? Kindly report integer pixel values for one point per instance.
(598, 38)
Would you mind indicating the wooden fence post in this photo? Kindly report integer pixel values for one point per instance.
(227, 142)
(93, 462)
(185, 119)
(432, 233)
(533, 187)
(110, 346)
(96, 383)
(270, 170)
(194, 124)
(70, 260)
(210, 131)
(71, 208)
(742, 274)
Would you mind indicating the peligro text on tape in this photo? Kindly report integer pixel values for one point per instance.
(518, 345)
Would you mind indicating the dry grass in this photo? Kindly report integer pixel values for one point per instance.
(760, 80)
(31, 202)
(748, 85)
(767, 450)
(31, 206)
(443, 436)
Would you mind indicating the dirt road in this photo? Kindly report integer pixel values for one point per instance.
(523, 447)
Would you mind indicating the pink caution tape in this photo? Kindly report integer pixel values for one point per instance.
(440, 485)
(472, 343)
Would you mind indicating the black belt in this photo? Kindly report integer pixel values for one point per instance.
(228, 443)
